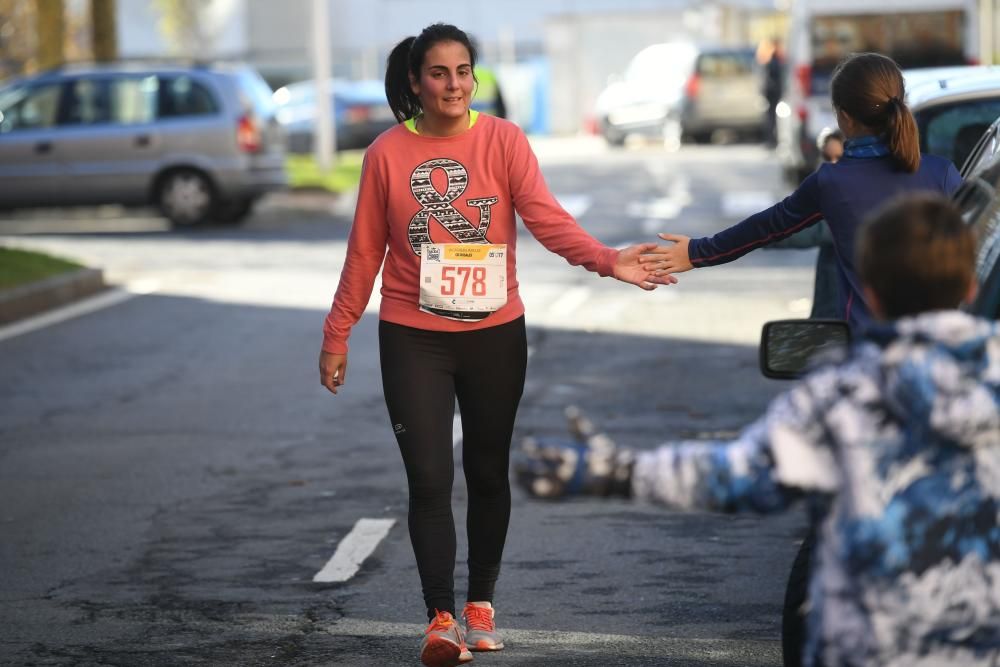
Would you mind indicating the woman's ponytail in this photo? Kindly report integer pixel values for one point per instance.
(902, 136)
(402, 101)
(869, 87)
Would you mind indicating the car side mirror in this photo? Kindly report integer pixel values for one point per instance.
(791, 348)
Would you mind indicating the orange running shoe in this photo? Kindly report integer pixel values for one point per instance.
(444, 642)
(480, 631)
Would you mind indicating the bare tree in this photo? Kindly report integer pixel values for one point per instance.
(50, 22)
(17, 36)
(104, 33)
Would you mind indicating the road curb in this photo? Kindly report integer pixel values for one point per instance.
(26, 300)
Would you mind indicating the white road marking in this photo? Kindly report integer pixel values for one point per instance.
(106, 299)
(354, 549)
(456, 430)
(749, 652)
(745, 203)
(568, 302)
(575, 205)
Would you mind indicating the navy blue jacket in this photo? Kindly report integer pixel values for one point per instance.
(843, 194)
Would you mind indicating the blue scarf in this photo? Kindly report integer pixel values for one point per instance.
(865, 147)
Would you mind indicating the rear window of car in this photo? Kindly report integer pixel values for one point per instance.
(182, 95)
(726, 64)
(258, 93)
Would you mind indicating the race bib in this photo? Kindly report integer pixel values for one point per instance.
(462, 281)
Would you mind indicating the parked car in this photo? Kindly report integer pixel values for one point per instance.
(915, 33)
(681, 91)
(199, 142)
(360, 108)
(723, 92)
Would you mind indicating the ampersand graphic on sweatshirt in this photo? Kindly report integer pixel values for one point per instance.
(439, 206)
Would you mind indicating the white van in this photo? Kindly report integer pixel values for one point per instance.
(916, 34)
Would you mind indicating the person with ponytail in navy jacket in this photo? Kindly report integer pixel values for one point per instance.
(881, 160)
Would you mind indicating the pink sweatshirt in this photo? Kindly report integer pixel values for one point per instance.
(485, 174)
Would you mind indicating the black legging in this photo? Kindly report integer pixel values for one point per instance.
(422, 374)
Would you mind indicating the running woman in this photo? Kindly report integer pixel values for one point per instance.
(440, 191)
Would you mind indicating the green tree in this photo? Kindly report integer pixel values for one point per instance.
(182, 25)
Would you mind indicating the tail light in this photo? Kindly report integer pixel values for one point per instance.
(358, 114)
(803, 74)
(692, 86)
(803, 113)
(247, 134)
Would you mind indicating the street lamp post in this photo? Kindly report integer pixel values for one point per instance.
(326, 132)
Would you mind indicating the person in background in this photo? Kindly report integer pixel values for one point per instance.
(897, 450)
(774, 88)
(437, 202)
(881, 159)
(824, 303)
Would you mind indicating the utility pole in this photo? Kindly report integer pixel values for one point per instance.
(325, 135)
(987, 16)
(51, 27)
(103, 30)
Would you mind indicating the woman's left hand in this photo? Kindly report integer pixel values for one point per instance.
(630, 269)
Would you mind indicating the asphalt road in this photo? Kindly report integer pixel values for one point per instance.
(172, 476)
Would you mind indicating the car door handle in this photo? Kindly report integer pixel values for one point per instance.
(143, 140)
(43, 147)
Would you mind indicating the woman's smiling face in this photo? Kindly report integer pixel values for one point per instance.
(446, 83)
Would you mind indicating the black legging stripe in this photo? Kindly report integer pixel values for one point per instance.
(422, 374)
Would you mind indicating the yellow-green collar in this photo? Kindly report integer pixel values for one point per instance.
(411, 123)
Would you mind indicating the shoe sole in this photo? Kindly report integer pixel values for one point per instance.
(485, 646)
(441, 653)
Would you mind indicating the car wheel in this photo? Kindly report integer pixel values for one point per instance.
(234, 212)
(793, 622)
(614, 137)
(185, 197)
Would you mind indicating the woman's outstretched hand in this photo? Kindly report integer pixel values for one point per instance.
(631, 267)
(668, 259)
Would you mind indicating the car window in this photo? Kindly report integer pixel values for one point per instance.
(725, 65)
(258, 93)
(29, 107)
(979, 204)
(985, 152)
(952, 131)
(133, 100)
(181, 96)
(88, 102)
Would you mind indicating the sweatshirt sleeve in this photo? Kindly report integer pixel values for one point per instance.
(366, 248)
(546, 219)
(952, 179)
(794, 213)
(774, 460)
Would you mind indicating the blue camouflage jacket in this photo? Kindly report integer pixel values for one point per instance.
(901, 444)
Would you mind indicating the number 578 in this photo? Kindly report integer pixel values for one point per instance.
(455, 280)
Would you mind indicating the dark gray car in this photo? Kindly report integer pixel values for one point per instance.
(199, 142)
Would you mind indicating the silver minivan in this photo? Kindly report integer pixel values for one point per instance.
(200, 142)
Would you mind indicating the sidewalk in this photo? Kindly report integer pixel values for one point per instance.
(35, 298)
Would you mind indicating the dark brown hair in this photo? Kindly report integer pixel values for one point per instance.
(917, 254)
(869, 88)
(407, 58)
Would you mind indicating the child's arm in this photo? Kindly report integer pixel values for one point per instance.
(780, 455)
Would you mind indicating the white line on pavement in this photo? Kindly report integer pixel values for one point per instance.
(683, 650)
(86, 306)
(575, 205)
(568, 302)
(456, 430)
(354, 549)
